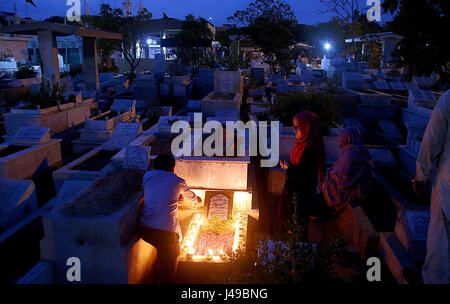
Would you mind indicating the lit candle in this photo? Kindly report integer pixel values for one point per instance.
(209, 256)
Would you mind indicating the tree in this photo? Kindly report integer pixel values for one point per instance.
(420, 22)
(133, 30)
(194, 43)
(270, 24)
(349, 12)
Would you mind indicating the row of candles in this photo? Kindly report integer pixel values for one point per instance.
(240, 232)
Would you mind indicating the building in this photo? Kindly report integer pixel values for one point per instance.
(388, 41)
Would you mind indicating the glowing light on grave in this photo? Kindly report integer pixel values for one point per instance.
(188, 246)
(242, 200)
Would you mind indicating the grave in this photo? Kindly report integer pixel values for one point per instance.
(228, 82)
(57, 118)
(110, 214)
(194, 105)
(421, 101)
(136, 158)
(381, 85)
(17, 200)
(258, 76)
(215, 101)
(204, 82)
(390, 129)
(164, 125)
(383, 158)
(123, 106)
(160, 64)
(29, 149)
(397, 86)
(412, 230)
(408, 154)
(97, 131)
(354, 81)
(369, 97)
(423, 82)
(99, 161)
(123, 134)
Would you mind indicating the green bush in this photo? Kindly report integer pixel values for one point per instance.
(48, 96)
(285, 106)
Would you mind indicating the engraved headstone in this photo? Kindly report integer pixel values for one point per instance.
(136, 157)
(31, 136)
(219, 204)
(123, 134)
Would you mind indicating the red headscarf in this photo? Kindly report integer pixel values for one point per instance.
(309, 124)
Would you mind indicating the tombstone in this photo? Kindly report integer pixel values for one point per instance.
(31, 136)
(136, 157)
(124, 105)
(397, 86)
(123, 134)
(354, 81)
(381, 85)
(160, 63)
(219, 204)
(258, 75)
(283, 87)
(390, 129)
(227, 82)
(17, 199)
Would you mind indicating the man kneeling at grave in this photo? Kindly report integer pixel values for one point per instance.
(163, 191)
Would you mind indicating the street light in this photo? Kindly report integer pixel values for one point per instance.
(327, 46)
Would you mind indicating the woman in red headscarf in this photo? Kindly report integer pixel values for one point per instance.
(304, 169)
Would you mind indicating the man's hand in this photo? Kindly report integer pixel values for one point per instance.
(199, 200)
(418, 187)
(284, 164)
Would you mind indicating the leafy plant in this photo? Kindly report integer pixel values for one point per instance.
(288, 261)
(216, 225)
(48, 96)
(285, 106)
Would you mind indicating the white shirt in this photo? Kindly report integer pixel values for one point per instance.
(434, 154)
(162, 189)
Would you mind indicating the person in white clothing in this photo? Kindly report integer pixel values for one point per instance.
(433, 164)
(163, 191)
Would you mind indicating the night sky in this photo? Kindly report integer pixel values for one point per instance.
(307, 11)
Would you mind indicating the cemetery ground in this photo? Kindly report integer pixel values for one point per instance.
(390, 225)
